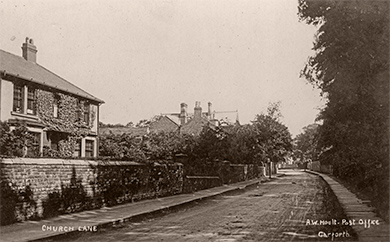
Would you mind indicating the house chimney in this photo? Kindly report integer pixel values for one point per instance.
(29, 50)
(183, 113)
(197, 111)
(209, 110)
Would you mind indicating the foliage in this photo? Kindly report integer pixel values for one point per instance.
(8, 201)
(71, 198)
(305, 143)
(15, 142)
(118, 184)
(143, 123)
(242, 145)
(162, 145)
(103, 125)
(272, 139)
(154, 146)
(122, 147)
(16, 204)
(351, 67)
(212, 144)
(253, 143)
(69, 119)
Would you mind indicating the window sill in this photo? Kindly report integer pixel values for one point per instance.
(23, 115)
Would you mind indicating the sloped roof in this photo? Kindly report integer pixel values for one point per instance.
(174, 119)
(163, 123)
(195, 126)
(134, 131)
(30, 71)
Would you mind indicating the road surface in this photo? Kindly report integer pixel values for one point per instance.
(295, 207)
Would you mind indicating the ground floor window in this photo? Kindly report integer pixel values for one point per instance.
(89, 148)
(77, 150)
(34, 145)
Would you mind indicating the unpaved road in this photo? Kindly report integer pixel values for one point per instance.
(277, 210)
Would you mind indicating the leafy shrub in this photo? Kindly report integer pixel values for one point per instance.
(15, 142)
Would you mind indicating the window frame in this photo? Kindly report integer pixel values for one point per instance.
(86, 112)
(77, 149)
(56, 105)
(31, 100)
(89, 148)
(18, 98)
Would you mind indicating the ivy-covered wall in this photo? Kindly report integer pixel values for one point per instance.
(69, 119)
(34, 188)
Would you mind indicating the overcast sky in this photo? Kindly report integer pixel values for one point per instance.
(145, 57)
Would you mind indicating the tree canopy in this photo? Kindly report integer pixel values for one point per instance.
(306, 143)
(351, 68)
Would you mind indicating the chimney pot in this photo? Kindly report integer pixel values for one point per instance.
(197, 111)
(29, 50)
(209, 110)
(183, 113)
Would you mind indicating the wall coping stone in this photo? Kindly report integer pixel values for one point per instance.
(202, 177)
(46, 161)
(52, 161)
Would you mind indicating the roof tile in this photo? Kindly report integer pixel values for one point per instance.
(30, 71)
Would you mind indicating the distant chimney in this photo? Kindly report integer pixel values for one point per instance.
(29, 50)
(209, 110)
(183, 113)
(197, 111)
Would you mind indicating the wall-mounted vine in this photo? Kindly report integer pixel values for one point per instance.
(69, 119)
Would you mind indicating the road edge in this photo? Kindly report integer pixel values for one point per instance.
(117, 221)
(355, 209)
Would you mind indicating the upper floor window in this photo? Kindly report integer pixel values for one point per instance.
(55, 105)
(31, 100)
(86, 112)
(18, 98)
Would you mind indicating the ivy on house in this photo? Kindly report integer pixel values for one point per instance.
(69, 118)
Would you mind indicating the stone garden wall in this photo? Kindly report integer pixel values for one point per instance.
(37, 188)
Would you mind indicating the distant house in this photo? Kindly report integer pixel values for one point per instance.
(182, 122)
(160, 123)
(134, 131)
(193, 123)
(198, 121)
(62, 117)
(164, 123)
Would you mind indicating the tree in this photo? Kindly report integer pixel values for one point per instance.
(306, 143)
(162, 145)
(212, 144)
(242, 145)
(122, 147)
(143, 123)
(273, 140)
(351, 67)
(130, 124)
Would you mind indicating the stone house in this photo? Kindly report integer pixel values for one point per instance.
(62, 117)
(194, 125)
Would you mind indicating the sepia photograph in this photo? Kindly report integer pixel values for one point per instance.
(194, 120)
